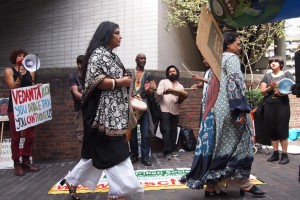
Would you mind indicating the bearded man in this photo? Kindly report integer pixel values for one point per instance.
(169, 106)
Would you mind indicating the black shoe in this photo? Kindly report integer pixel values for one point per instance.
(284, 159)
(207, 194)
(254, 190)
(274, 157)
(146, 162)
(134, 159)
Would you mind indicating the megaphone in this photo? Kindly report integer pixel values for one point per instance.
(31, 63)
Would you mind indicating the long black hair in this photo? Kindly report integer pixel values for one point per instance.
(101, 37)
(229, 38)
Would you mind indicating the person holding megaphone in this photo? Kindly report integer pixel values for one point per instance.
(17, 77)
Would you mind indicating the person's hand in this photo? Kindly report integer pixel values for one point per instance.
(167, 91)
(277, 93)
(126, 81)
(241, 119)
(273, 84)
(196, 77)
(148, 86)
(39, 85)
(194, 87)
(21, 71)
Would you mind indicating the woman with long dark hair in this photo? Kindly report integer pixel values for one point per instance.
(106, 117)
(224, 155)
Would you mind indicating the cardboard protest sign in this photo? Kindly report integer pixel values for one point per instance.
(32, 106)
(210, 40)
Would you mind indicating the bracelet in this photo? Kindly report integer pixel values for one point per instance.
(113, 84)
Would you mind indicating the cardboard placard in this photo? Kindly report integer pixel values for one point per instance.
(210, 40)
(32, 106)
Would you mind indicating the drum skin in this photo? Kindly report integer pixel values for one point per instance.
(284, 86)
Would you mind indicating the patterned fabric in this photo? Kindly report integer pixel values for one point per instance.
(139, 89)
(112, 113)
(236, 95)
(224, 148)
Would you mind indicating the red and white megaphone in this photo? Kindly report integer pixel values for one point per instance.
(31, 63)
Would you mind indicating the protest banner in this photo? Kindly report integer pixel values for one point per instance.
(32, 106)
(150, 179)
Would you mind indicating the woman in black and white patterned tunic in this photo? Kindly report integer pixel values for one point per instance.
(106, 118)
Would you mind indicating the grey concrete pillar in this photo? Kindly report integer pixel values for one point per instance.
(280, 48)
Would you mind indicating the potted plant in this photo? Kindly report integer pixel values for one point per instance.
(254, 97)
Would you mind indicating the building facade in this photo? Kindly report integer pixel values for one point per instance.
(60, 30)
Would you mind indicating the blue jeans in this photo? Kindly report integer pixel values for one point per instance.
(145, 138)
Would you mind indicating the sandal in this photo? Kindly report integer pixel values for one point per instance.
(72, 190)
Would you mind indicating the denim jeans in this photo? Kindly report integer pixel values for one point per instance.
(145, 138)
(168, 128)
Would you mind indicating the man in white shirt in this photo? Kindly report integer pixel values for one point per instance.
(170, 110)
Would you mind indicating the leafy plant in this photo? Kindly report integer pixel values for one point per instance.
(254, 97)
(255, 39)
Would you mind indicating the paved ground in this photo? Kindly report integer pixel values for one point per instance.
(281, 181)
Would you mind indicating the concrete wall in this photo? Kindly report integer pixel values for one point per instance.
(59, 30)
(176, 46)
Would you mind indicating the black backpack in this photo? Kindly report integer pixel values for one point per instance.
(188, 140)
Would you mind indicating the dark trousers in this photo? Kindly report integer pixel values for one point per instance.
(168, 128)
(145, 138)
(15, 138)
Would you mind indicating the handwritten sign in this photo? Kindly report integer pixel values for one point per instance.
(5, 156)
(31, 105)
(210, 40)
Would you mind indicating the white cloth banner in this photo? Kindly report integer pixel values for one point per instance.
(32, 106)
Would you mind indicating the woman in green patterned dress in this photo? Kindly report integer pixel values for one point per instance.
(223, 156)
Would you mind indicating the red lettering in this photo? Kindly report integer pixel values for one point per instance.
(31, 118)
(15, 96)
(149, 183)
(23, 96)
(163, 183)
(39, 94)
(173, 181)
(102, 186)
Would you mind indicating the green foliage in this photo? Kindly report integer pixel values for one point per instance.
(255, 39)
(254, 97)
(183, 12)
